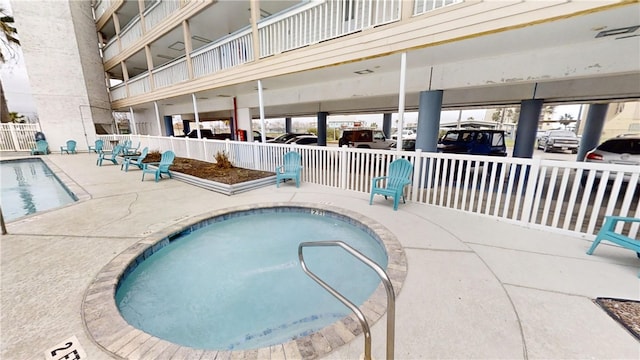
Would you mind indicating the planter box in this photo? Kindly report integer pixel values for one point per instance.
(224, 188)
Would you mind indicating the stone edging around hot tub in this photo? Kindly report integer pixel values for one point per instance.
(109, 330)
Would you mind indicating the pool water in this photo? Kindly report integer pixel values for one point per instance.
(29, 186)
(237, 283)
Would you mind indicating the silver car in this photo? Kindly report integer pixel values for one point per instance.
(622, 150)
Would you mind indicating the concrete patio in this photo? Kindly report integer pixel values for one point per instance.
(475, 288)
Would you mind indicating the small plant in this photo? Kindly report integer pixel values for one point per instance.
(152, 156)
(222, 160)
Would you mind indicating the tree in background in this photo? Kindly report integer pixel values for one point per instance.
(508, 115)
(8, 40)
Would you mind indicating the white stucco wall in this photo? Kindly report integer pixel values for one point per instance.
(67, 83)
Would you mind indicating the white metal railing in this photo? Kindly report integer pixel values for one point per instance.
(231, 51)
(101, 7)
(139, 85)
(18, 137)
(318, 21)
(171, 73)
(159, 11)
(131, 33)
(423, 6)
(563, 196)
(118, 92)
(110, 50)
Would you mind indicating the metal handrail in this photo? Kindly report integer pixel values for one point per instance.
(391, 298)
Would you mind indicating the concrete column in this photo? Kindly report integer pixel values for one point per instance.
(386, 125)
(592, 129)
(287, 125)
(429, 110)
(322, 128)
(527, 128)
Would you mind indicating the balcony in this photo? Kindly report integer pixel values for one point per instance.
(294, 28)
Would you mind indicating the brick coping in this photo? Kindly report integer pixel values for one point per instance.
(110, 331)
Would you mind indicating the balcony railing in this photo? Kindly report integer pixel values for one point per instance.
(171, 73)
(319, 21)
(423, 6)
(232, 51)
(110, 50)
(159, 11)
(139, 84)
(118, 92)
(101, 8)
(304, 25)
(131, 33)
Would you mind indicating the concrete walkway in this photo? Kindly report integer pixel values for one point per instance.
(476, 287)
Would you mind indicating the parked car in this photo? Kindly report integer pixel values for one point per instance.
(304, 140)
(257, 136)
(204, 134)
(365, 138)
(406, 134)
(559, 140)
(621, 150)
(473, 142)
(286, 137)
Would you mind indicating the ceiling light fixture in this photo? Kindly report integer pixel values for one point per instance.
(363, 72)
(165, 57)
(201, 39)
(178, 46)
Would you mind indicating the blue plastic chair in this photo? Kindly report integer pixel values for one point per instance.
(42, 148)
(134, 160)
(129, 149)
(97, 148)
(291, 168)
(113, 155)
(393, 185)
(608, 232)
(70, 148)
(160, 168)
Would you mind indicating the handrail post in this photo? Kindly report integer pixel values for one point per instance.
(391, 302)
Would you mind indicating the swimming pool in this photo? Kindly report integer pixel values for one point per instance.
(29, 186)
(104, 320)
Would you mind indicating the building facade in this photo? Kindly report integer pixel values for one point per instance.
(237, 60)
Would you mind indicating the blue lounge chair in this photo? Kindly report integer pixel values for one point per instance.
(160, 168)
(393, 185)
(70, 148)
(113, 156)
(608, 232)
(134, 160)
(42, 148)
(97, 148)
(290, 169)
(129, 149)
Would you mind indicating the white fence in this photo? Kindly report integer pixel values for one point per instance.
(18, 137)
(562, 196)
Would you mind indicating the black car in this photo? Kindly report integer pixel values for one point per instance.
(284, 138)
(473, 142)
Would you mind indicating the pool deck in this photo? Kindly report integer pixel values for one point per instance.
(476, 287)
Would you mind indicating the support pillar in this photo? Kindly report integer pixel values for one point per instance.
(386, 125)
(322, 128)
(287, 125)
(592, 129)
(429, 110)
(527, 128)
